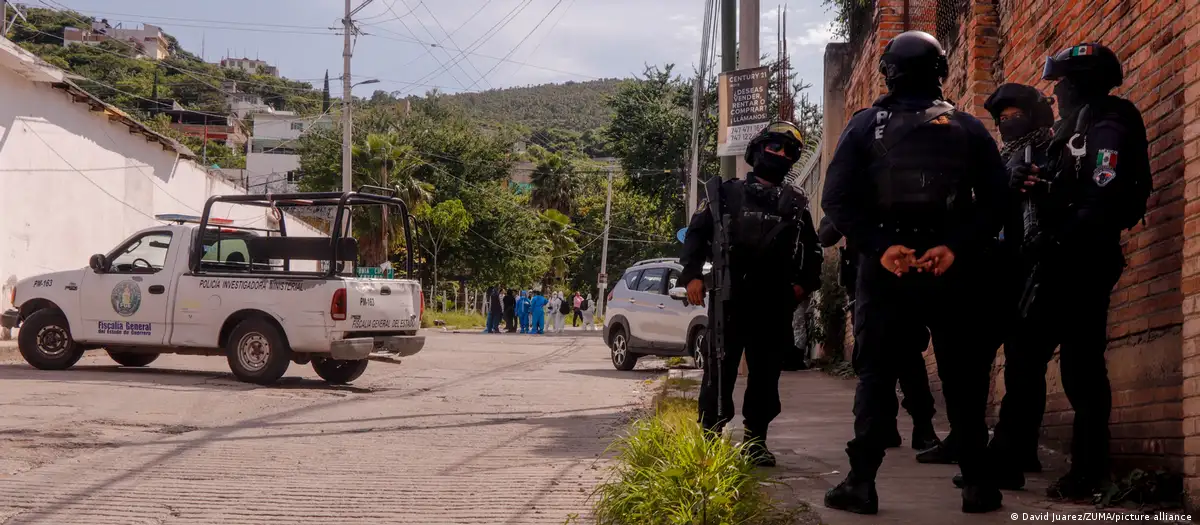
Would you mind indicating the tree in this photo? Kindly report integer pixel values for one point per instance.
(442, 225)
(557, 228)
(651, 131)
(552, 182)
(382, 156)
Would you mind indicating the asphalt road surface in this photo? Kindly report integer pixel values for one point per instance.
(497, 429)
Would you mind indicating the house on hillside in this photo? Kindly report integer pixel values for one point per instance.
(251, 66)
(149, 40)
(273, 163)
(1153, 339)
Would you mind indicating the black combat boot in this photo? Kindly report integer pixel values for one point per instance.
(852, 495)
(977, 499)
(940, 454)
(923, 436)
(754, 445)
(1004, 479)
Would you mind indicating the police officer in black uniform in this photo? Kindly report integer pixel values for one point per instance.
(918, 189)
(775, 261)
(1095, 185)
(913, 376)
(1024, 117)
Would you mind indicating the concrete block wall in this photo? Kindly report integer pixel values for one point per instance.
(1154, 320)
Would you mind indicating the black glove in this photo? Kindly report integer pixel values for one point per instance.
(1025, 180)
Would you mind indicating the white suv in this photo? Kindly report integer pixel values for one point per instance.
(642, 318)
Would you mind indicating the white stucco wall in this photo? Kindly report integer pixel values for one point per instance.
(72, 183)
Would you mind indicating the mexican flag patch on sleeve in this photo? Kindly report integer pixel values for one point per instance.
(1106, 158)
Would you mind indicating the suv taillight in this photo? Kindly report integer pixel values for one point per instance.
(610, 295)
(422, 305)
(337, 306)
(12, 297)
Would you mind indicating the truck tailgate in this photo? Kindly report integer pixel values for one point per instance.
(381, 305)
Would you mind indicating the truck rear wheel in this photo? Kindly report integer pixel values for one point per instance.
(339, 371)
(257, 352)
(132, 358)
(45, 341)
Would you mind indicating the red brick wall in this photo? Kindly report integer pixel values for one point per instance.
(1151, 351)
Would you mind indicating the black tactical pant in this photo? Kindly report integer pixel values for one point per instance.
(1070, 312)
(764, 333)
(891, 313)
(913, 375)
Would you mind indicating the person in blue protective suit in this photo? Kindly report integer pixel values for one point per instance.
(522, 307)
(538, 307)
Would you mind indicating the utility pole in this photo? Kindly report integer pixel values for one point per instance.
(347, 97)
(747, 54)
(729, 52)
(603, 281)
(697, 110)
(5, 24)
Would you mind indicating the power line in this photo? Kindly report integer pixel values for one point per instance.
(483, 38)
(450, 38)
(546, 34)
(519, 44)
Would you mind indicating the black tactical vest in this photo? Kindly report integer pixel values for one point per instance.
(919, 169)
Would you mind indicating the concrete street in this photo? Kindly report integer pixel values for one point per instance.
(497, 429)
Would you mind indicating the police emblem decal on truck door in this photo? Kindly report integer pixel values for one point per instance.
(126, 298)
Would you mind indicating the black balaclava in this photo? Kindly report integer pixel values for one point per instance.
(1015, 128)
(770, 167)
(1073, 95)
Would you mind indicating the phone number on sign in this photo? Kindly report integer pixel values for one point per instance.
(1160, 517)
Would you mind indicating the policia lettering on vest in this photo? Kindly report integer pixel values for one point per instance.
(919, 191)
(768, 245)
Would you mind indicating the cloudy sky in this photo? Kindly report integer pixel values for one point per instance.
(541, 41)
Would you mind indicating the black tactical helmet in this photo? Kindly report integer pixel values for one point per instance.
(1028, 98)
(787, 135)
(913, 55)
(1091, 64)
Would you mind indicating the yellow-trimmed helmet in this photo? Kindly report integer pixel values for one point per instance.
(780, 136)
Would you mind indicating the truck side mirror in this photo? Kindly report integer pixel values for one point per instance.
(679, 293)
(98, 263)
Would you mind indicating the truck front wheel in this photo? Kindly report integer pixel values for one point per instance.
(339, 371)
(257, 352)
(132, 358)
(45, 341)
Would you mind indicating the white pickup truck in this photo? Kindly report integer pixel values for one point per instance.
(231, 291)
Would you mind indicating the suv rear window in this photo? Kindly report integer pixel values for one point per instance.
(652, 280)
(631, 279)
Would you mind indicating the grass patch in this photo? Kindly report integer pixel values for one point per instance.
(672, 362)
(455, 318)
(670, 472)
(682, 384)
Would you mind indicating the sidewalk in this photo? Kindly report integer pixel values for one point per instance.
(809, 439)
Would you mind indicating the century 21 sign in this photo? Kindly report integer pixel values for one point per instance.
(742, 98)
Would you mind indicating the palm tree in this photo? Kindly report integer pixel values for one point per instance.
(390, 165)
(557, 229)
(553, 183)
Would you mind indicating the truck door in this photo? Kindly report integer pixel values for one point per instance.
(128, 303)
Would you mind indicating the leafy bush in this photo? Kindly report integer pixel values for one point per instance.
(831, 311)
(672, 472)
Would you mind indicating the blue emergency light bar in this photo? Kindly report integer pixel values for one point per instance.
(193, 219)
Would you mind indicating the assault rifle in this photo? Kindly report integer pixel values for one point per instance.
(720, 288)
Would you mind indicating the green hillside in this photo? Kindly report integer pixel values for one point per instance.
(572, 106)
